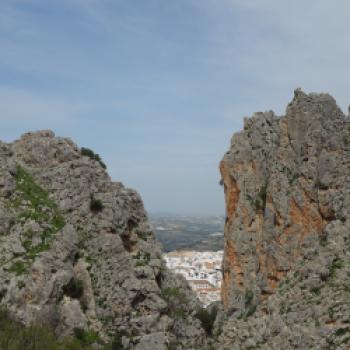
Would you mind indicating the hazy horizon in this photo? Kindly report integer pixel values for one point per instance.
(158, 88)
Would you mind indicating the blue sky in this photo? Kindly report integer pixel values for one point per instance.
(158, 87)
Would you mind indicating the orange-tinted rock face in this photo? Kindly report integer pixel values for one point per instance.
(234, 268)
(279, 191)
(306, 219)
(231, 192)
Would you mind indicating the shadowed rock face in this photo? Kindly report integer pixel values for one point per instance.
(77, 250)
(286, 182)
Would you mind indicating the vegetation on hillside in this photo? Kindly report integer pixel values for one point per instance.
(14, 336)
(92, 155)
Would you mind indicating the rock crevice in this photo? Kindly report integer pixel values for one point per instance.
(287, 189)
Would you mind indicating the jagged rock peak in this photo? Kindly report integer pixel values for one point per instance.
(286, 259)
(77, 251)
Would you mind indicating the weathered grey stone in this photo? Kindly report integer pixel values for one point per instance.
(69, 265)
(286, 262)
(155, 341)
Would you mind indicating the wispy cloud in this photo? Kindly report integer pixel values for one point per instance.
(30, 111)
(158, 87)
(274, 47)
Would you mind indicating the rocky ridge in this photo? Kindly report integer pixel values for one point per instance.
(77, 251)
(286, 269)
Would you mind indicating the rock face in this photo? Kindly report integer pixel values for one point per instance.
(77, 251)
(286, 269)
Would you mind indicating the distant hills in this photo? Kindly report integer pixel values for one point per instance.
(179, 232)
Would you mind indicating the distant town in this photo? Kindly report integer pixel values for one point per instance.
(201, 269)
(193, 247)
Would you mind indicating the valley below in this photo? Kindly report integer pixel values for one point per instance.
(180, 232)
(193, 247)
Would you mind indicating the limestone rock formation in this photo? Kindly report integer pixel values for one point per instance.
(77, 251)
(286, 269)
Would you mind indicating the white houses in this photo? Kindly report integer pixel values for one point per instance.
(201, 269)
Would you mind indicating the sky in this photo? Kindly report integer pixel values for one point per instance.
(157, 88)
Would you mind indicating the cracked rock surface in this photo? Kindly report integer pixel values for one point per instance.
(77, 251)
(286, 269)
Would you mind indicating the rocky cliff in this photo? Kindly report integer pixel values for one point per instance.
(77, 251)
(286, 269)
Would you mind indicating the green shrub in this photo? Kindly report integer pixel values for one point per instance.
(74, 289)
(337, 263)
(291, 175)
(95, 204)
(179, 312)
(251, 310)
(92, 155)
(86, 338)
(207, 319)
(248, 297)
(117, 343)
(87, 152)
(260, 201)
(341, 331)
(176, 300)
(171, 292)
(14, 336)
(173, 345)
(143, 259)
(316, 290)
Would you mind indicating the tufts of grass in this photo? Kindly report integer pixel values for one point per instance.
(336, 264)
(34, 203)
(143, 259)
(87, 338)
(18, 267)
(14, 336)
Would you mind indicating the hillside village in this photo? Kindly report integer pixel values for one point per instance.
(202, 270)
